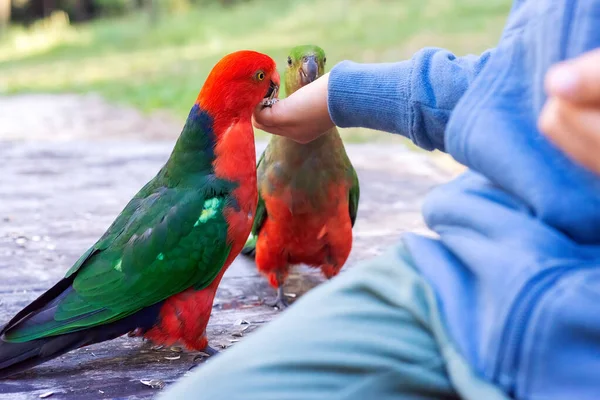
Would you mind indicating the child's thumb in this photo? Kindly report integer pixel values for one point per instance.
(576, 80)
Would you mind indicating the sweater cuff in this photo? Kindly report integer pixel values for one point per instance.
(375, 96)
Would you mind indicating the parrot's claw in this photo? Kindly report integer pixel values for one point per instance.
(269, 102)
(280, 301)
(137, 332)
(208, 351)
(280, 304)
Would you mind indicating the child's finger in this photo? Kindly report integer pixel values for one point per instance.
(576, 80)
(270, 119)
(265, 116)
(302, 116)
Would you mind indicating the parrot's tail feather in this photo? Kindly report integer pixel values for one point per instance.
(249, 249)
(48, 298)
(18, 357)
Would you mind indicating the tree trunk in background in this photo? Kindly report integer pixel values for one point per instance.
(49, 6)
(153, 11)
(80, 11)
(4, 15)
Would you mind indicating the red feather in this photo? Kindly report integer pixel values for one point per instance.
(318, 237)
(230, 90)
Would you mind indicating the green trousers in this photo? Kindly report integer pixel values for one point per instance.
(373, 332)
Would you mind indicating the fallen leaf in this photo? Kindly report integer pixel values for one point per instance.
(241, 322)
(237, 334)
(153, 383)
(46, 395)
(243, 328)
(173, 358)
(234, 340)
(176, 349)
(292, 295)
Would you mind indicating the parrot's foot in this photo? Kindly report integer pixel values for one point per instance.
(280, 301)
(208, 351)
(269, 102)
(137, 332)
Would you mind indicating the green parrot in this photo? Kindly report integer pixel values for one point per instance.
(308, 194)
(156, 269)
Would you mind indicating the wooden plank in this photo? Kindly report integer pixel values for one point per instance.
(57, 198)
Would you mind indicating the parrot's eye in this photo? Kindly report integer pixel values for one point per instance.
(290, 61)
(324, 60)
(260, 75)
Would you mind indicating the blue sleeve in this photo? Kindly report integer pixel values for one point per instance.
(413, 98)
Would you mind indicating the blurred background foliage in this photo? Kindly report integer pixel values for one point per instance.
(155, 54)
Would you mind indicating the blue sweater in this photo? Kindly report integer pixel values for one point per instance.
(517, 263)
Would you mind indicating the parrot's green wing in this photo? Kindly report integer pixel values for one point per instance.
(113, 231)
(165, 241)
(354, 196)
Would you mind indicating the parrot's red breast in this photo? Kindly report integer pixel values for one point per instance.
(318, 235)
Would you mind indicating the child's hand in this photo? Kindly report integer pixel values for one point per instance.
(571, 116)
(303, 116)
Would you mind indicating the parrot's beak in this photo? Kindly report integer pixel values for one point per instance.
(309, 70)
(270, 97)
(272, 92)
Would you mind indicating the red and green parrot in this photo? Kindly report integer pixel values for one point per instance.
(156, 269)
(308, 194)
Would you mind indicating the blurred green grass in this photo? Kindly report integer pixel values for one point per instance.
(127, 61)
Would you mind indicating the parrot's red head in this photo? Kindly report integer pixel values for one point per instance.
(238, 83)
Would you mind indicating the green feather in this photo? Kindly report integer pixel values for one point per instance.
(170, 237)
(354, 197)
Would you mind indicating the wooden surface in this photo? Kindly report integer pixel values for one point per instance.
(58, 197)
